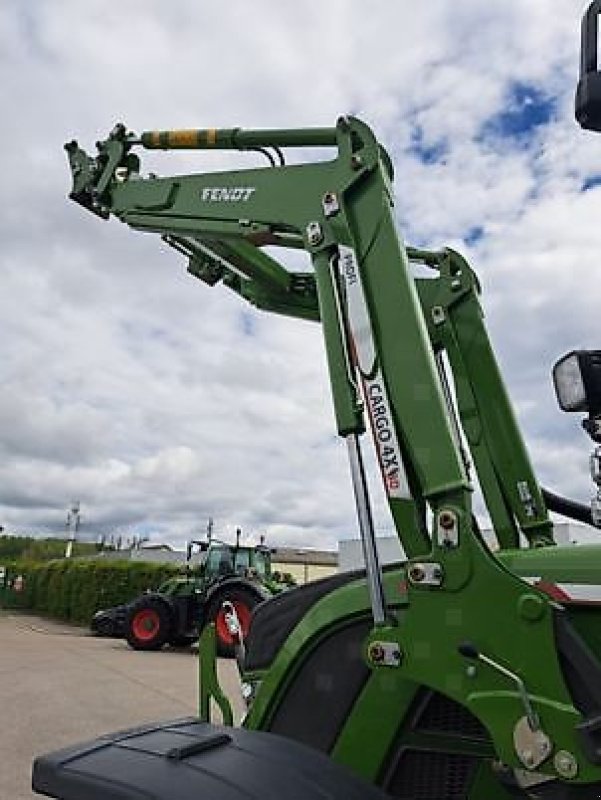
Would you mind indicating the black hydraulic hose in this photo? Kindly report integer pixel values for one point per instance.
(567, 508)
(265, 152)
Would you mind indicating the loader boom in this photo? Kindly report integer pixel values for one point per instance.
(340, 211)
(388, 338)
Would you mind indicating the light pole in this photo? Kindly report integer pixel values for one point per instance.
(73, 519)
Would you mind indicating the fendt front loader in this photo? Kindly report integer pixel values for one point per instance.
(462, 673)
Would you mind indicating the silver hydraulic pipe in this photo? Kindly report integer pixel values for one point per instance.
(366, 529)
(531, 715)
(452, 413)
(469, 650)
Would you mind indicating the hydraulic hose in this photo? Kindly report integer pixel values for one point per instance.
(567, 508)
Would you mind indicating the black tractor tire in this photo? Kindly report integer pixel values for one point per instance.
(104, 627)
(148, 624)
(244, 601)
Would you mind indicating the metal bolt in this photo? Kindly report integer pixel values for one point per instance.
(565, 764)
(314, 233)
(330, 204)
(376, 653)
(446, 520)
(356, 162)
(438, 315)
(471, 671)
(121, 174)
(417, 574)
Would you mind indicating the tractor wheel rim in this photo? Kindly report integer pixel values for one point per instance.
(223, 632)
(145, 624)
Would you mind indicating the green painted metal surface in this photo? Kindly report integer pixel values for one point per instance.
(384, 333)
(209, 690)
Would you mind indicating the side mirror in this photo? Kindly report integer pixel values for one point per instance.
(588, 92)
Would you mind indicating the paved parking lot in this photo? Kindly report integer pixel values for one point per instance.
(60, 686)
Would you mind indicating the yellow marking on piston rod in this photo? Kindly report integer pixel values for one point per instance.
(183, 138)
(211, 136)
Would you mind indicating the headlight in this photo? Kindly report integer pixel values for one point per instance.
(577, 381)
(569, 386)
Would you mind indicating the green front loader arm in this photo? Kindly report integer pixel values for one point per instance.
(455, 319)
(470, 629)
(222, 219)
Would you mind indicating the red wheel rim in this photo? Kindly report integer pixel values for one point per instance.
(145, 625)
(244, 614)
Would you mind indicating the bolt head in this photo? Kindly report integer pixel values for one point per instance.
(417, 574)
(565, 764)
(376, 653)
(446, 520)
(330, 204)
(531, 607)
(314, 233)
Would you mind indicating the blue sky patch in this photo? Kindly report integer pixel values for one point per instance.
(474, 235)
(247, 324)
(590, 182)
(526, 109)
(427, 152)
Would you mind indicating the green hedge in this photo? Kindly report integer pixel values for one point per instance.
(73, 589)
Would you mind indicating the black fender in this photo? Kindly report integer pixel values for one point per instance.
(189, 758)
(185, 614)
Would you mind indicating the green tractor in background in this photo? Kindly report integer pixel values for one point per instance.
(178, 610)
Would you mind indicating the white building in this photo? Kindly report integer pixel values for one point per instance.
(350, 554)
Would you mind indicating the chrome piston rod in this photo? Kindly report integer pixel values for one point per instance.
(366, 529)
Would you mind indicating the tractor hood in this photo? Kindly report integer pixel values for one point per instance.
(568, 574)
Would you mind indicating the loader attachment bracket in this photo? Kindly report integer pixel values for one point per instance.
(209, 687)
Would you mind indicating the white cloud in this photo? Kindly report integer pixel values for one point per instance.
(129, 385)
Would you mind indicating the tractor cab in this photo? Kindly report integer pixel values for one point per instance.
(247, 561)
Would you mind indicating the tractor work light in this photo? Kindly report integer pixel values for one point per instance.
(577, 381)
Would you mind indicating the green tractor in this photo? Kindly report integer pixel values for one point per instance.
(468, 672)
(178, 610)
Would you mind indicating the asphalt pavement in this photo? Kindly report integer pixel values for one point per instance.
(60, 686)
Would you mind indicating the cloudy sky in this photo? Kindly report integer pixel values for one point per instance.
(158, 402)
